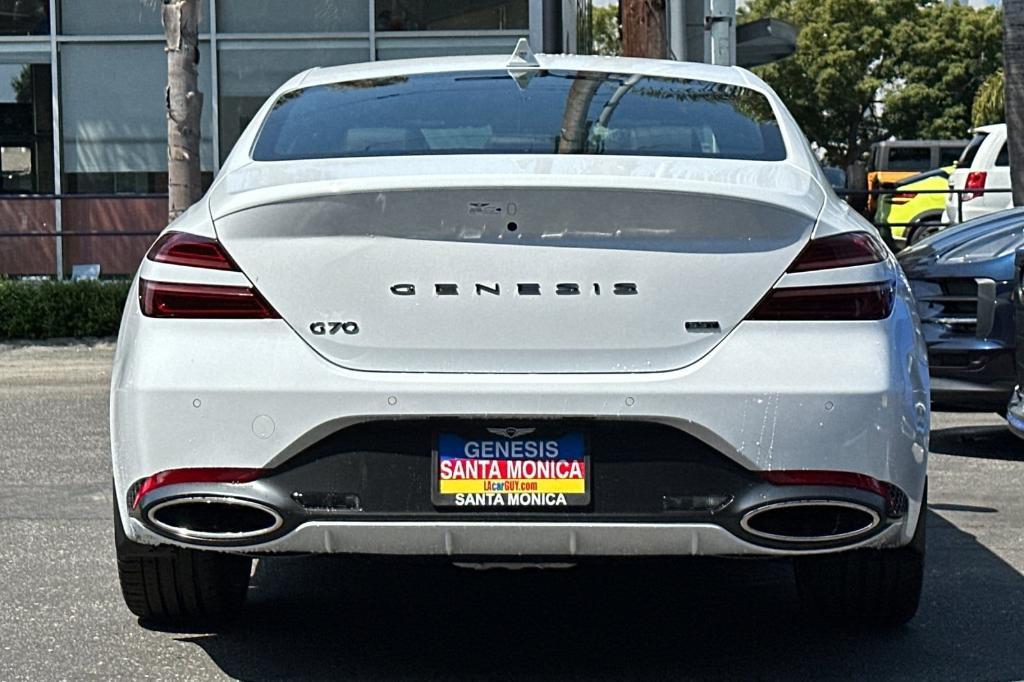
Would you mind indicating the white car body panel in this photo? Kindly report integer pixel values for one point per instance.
(998, 178)
(839, 396)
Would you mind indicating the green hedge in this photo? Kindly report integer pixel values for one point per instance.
(49, 309)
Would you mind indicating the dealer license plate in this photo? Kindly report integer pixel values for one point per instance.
(510, 467)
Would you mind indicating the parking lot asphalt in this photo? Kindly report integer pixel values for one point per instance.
(61, 615)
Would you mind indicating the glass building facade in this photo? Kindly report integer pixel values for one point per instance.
(86, 78)
(83, 129)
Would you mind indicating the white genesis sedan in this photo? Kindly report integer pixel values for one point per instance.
(527, 311)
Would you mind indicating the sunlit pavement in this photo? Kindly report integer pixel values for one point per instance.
(62, 616)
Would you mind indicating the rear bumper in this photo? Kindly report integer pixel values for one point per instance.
(771, 396)
(643, 478)
(957, 395)
(526, 539)
(984, 384)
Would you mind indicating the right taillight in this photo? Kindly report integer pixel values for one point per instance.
(206, 301)
(839, 251)
(867, 301)
(841, 302)
(975, 182)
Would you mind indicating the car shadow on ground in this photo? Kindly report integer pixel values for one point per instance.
(329, 618)
(986, 442)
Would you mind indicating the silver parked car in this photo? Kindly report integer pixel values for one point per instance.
(536, 310)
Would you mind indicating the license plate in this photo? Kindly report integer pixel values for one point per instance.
(511, 467)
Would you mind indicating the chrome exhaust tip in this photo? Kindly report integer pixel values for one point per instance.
(213, 518)
(810, 521)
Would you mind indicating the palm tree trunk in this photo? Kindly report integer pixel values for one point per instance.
(643, 28)
(1013, 60)
(184, 104)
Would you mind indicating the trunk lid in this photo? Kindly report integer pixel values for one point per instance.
(580, 268)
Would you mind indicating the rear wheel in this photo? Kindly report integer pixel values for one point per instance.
(176, 586)
(925, 229)
(869, 587)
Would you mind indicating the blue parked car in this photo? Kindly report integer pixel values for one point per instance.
(1015, 410)
(963, 280)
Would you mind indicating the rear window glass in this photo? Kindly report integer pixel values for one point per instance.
(909, 158)
(949, 155)
(971, 150)
(551, 112)
(1004, 156)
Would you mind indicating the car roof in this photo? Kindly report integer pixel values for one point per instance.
(921, 143)
(651, 67)
(990, 128)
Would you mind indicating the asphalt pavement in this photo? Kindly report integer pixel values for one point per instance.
(61, 615)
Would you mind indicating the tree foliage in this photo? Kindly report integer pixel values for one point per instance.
(22, 85)
(605, 23)
(989, 102)
(941, 57)
(866, 70)
(831, 83)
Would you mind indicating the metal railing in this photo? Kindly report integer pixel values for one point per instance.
(892, 191)
(59, 229)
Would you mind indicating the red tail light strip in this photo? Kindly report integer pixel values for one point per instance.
(176, 476)
(839, 251)
(842, 302)
(181, 248)
(845, 479)
(202, 301)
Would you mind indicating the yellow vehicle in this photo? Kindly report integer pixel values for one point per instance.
(894, 160)
(911, 214)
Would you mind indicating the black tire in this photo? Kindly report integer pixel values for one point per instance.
(925, 229)
(871, 587)
(179, 587)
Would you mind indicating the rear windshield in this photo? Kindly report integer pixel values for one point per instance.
(909, 159)
(1003, 158)
(546, 112)
(971, 150)
(949, 155)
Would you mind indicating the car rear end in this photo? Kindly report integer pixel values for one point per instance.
(501, 353)
(915, 207)
(984, 165)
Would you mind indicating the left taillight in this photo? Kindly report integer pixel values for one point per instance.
(193, 300)
(867, 301)
(202, 301)
(191, 250)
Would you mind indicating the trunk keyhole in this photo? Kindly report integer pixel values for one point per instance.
(512, 226)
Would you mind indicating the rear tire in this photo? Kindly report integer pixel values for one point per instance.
(179, 587)
(925, 229)
(878, 588)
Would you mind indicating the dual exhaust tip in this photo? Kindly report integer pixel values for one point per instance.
(802, 521)
(213, 518)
